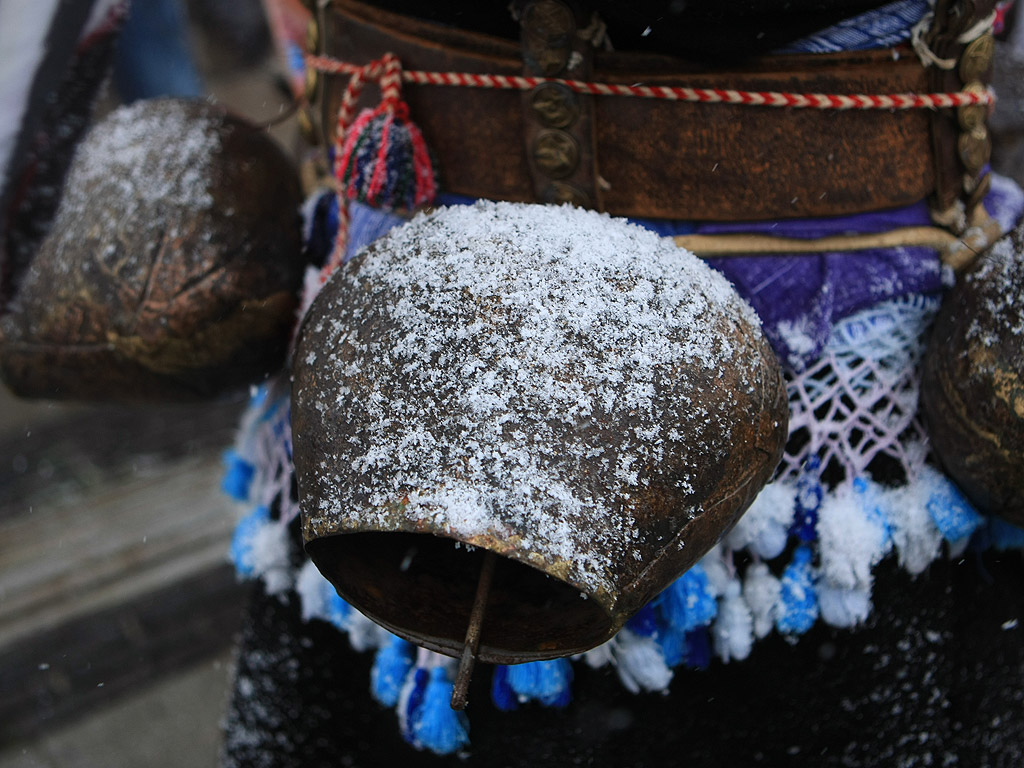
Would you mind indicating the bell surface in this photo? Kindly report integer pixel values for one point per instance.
(563, 389)
(173, 266)
(972, 388)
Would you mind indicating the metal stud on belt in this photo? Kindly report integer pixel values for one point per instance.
(558, 123)
(974, 146)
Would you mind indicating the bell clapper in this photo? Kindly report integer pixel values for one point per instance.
(472, 643)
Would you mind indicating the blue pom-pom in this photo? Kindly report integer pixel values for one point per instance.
(1004, 536)
(673, 645)
(798, 601)
(338, 611)
(562, 700)
(435, 725)
(543, 681)
(243, 539)
(809, 494)
(391, 665)
(237, 477)
(502, 695)
(644, 622)
(689, 602)
(952, 514)
(698, 648)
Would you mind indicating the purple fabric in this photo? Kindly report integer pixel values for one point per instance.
(799, 297)
(858, 223)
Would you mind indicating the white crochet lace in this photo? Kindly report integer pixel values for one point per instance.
(859, 399)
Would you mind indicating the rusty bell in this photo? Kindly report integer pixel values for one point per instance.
(563, 396)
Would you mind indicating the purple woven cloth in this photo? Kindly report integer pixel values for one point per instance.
(799, 297)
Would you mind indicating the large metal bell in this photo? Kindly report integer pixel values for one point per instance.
(173, 266)
(545, 392)
(972, 389)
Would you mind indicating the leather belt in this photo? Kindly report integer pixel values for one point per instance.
(658, 159)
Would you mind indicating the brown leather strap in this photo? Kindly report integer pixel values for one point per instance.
(656, 158)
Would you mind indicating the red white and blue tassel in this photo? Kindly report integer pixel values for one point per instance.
(380, 157)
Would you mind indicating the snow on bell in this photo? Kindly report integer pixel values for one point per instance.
(561, 400)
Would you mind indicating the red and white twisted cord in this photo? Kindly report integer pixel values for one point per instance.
(673, 93)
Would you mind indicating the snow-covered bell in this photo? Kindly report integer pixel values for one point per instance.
(972, 389)
(559, 399)
(172, 268)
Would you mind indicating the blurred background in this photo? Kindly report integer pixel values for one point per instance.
(118, 607)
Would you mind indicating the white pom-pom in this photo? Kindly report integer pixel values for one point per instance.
(363, 634)
(764, 528)
(842, 607)
(716, 570)
(733, 630)
(853, 536)
(313, 590)
(270, 548)
(761, 591)
(917, 539)
(600, 656)
(640, 663)
(311, 286)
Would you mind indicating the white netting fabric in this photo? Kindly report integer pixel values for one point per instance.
(265, 439)
(859, 399)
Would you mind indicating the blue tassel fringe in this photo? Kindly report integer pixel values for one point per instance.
(391, 666)
(237, 476)
(698, 648)
(242, 554)
(543, 681)
(798, 602)
(434, 724)
(689, 602)
(502, 695)
(952, 514)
